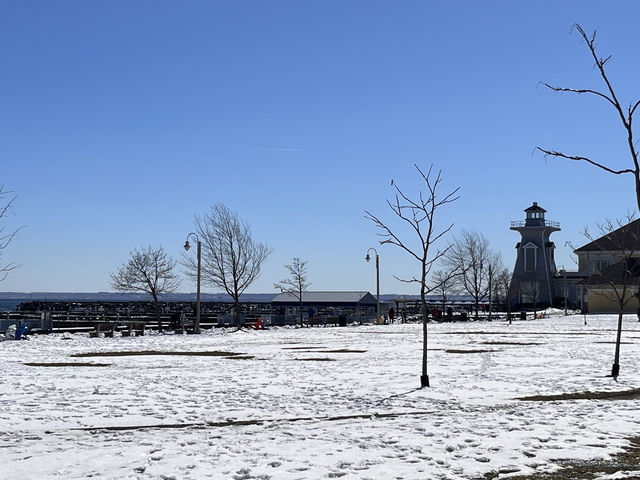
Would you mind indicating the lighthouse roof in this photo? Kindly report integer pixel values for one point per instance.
(535, 208)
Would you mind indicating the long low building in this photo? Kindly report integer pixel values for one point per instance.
(322, 306)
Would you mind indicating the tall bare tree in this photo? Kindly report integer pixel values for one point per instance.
(624, 113)
(149, 270)
(296, 283)
(231, 258)
(420, 216)
(473, 258)
(6, 236)
(619, 283)
(503, 288)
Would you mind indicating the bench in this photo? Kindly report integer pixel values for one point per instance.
(106, 329)
(316, 321)
(188, 327)
(136, 328)
(324, 321)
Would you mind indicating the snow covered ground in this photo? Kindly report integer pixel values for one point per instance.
(317, 402)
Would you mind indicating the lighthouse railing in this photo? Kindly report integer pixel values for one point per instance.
(523, 223)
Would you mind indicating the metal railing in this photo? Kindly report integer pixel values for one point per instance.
(545, 223)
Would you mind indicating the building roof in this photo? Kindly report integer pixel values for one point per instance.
(337, 298)
(626, 238)
(535, 208)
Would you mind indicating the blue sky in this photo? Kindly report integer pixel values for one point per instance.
(120, 120)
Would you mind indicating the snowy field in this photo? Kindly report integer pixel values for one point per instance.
(316, 402)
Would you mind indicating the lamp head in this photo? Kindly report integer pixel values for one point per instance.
(186, 245)
(367, 258)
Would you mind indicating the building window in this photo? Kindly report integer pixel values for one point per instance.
(596, 266)
(530, 259)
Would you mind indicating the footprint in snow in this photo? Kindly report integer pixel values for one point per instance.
(242, 474)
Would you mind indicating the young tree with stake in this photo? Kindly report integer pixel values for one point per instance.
(419, 215)
(296, 283)
(618, 283)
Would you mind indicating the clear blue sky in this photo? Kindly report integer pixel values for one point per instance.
(120, 120)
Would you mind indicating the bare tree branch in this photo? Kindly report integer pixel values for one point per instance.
(6, 238)
(579, 91)
(553, 153)
(612, 99)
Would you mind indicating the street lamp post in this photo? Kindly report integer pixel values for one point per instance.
(196, 327)
(368, 258)
(565, 291)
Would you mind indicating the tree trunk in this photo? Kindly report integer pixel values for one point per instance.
(615, 369)
(424, 378)
(157, 309)
(236, 313)
(300, 314)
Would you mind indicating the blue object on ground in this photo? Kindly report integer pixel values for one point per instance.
(21, 331)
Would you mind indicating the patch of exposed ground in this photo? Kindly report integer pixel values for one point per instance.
(480, 332)
(65, 364)
(255, 421)
(319, 359)
(340, 350)
(300, 348)
(621, 343)
(459, 350)
(212, 353)
(632, 394)
(380, 333)
(622, 465)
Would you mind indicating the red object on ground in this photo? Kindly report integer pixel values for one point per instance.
(259, 325)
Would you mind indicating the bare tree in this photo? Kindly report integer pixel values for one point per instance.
(503, 288)
(6, 236)
(149, 270)
(296, 283)
(624, 113)
(420, 215)
(472, 257)
(530, 289)
(446, 284)
(231, 259)
(619, 282)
